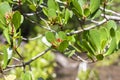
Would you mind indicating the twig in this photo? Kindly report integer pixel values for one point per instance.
(93, 21)
(23, 64)
(21, 57)
(80, 58)
(84, 60)
(31, 14)
(37, 56)
(88, 28)
(16, 59)
(117, 18)
(104, 12)
(30, 39)
(110, 11)
(31, 60)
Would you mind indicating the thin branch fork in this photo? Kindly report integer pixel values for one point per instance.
(31, 60)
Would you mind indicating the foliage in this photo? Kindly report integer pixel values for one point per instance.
(67, 26)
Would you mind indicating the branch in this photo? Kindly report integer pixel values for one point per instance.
(88, 28)
(31, 14)
(30, 39)
(113, 12)
(37, 56)
(117, 18)
(30, 61)
(80, 58)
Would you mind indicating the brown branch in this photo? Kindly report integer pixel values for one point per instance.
(21, 57)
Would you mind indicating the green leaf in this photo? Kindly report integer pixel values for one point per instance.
(82, 2)
(94, 5)
(52, 13)
(100, 57)
(16, 19)
(2, 26)
(112, 47)
(7, 56)
(4, 8)
(88, 47)
(71, 38)
(2, 22)
(67, 15)
(7, 36)
(62, 35)
(86, 12)
(52, 4)
(117, 37)
(50, 37)
(32, 7)
(104, 33)
(40, 1)
(111, 24)
(95, 39)
(63, 46)
(96, 14)
(103, 44)
(104, 36)
(45, 11)
(26, 76)
(77, 8)
(19, 38)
